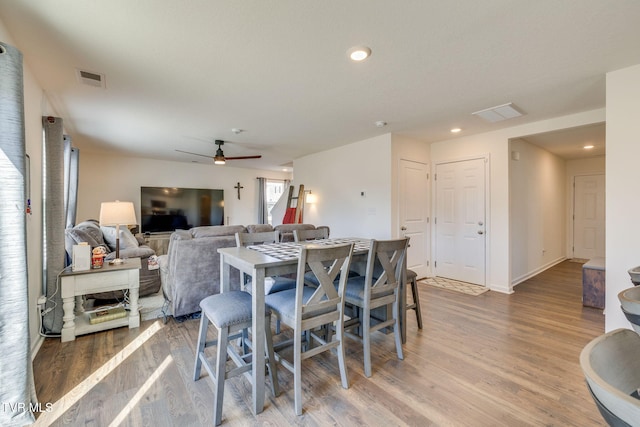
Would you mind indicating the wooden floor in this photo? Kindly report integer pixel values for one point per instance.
(488, 360)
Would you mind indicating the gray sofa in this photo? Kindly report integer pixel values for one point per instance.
(190, 270)
(130, 247)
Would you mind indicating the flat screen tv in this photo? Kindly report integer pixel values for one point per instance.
(165, 209)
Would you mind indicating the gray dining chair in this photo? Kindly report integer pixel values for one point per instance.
(306, 235)
(230, 313)
(278, 283)
(611, 368)
(275, 284)
(306, 308)
(371, 291)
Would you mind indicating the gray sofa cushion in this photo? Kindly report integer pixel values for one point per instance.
(217, 230)
(286, 230)
(259, 228)
(86, 231)
(127, 240)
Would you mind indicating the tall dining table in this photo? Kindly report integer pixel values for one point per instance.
(277, 259)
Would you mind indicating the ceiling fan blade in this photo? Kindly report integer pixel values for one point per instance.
(242, 157)
(195, 154)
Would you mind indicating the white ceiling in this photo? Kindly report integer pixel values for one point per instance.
(569, 143)
(180, 74)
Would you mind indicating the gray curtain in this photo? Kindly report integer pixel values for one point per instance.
(71, 161)
(53, 221)
(17, 391)
(263, 212)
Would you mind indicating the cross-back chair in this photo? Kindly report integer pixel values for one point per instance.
(306, 235)
(306, 308)
(379, 287)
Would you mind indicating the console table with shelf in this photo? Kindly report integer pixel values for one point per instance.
(159, 242)
(111, 277)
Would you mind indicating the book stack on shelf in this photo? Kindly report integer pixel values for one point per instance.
(106, 315)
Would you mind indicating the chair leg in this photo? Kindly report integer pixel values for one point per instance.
(396, 327)
(297, 368)
(273, 374)
(341, 356)
(244, 339)
(221, 362)
(366, 341)
(416, 302)
(202, 339)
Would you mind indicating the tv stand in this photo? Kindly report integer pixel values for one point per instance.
(159, 242)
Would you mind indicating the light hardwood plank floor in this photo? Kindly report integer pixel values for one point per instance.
(490, 360)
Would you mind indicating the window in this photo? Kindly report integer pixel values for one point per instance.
(275, 189)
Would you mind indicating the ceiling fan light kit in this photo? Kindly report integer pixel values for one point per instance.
(218, 159)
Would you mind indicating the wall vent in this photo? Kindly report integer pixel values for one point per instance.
(91, 78)
(498, 113)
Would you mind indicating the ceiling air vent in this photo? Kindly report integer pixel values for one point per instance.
(91, 79)
(498, 113)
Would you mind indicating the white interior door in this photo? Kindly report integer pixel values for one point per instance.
(589, 216)
(460, 221)
(414, 214)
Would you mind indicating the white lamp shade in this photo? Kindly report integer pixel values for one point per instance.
(117, 213)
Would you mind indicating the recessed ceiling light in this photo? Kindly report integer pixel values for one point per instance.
(588, 147)
(455, 130)
(359, 53)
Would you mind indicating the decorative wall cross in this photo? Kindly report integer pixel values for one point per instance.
(238, 187)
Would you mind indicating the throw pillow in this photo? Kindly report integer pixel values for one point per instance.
(82, 235)
(127, 240)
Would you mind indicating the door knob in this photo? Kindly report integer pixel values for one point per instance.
(480, 223)
(480, 232)
(403, 228)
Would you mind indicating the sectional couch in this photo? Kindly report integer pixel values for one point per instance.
(190, 271)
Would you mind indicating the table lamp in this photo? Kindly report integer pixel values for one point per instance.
(116, 213)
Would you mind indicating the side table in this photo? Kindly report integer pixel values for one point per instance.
(75, 284)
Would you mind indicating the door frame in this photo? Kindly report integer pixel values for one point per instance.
(487, 217)
(572, 209)
(428, 203)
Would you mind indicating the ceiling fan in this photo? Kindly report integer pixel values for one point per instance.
(219, 158)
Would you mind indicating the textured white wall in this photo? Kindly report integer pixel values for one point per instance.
(537, 210)
(338, 176)
(107, 178)
(623, 188)
(496, 145)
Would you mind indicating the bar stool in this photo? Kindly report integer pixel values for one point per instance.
(230, 314)
(413, 278)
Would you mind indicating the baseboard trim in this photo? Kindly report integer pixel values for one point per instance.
(36, 347)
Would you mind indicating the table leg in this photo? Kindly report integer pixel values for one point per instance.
(134, 313)
(79, 304)
(225, 275)
(258, 328)
(69, 326)
(402, 306)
